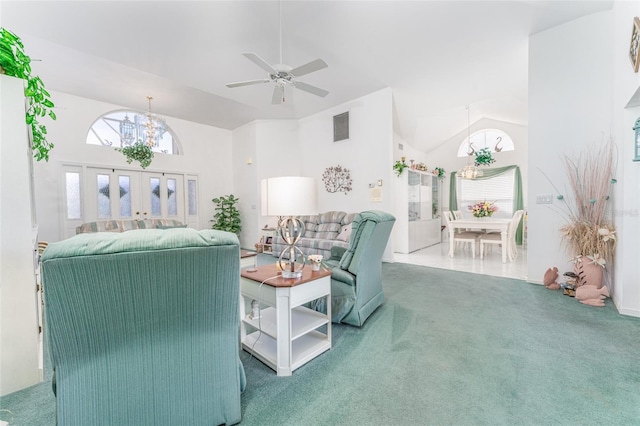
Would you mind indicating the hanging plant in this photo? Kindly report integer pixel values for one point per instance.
(140, 152)
(484, 158)
(15, 63)
(399, 167)
(337, 179)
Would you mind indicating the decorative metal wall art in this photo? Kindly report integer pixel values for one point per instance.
(337, 179)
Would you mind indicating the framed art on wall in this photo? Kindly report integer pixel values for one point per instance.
(635, 44)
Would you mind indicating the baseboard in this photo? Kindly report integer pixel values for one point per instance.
(628, 312)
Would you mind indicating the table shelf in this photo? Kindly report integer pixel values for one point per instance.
(303, 320)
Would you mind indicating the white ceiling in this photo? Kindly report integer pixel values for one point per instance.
(437, 56)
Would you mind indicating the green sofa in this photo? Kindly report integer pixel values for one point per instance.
(142, 327)
(356, 276)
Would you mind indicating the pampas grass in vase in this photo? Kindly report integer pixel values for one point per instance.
(589, 234)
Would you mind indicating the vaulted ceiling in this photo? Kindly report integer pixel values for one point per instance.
(437, 56)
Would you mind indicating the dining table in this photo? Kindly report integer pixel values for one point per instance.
(481, 223)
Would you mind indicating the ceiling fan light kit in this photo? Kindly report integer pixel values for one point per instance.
(282, 74)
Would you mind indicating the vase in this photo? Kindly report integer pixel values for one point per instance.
(315, 266)
(588, 272)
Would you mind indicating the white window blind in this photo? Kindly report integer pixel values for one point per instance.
(498, 189)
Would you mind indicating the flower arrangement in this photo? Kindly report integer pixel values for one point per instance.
(140, 152)
(483, 209)
(589, 229)
(316, 261)
(421, 166)
(439, 171)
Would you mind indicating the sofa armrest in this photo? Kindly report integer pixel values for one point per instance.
(337, 252)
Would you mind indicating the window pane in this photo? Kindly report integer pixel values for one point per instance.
(498, 189)
(155, 196)
(172, 204)
(193, 200)
(73, 195)
(125, 196)
(104, 198)
(122, 128)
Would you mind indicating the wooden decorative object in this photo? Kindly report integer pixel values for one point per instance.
(634, 46)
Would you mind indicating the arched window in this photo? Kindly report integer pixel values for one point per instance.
(122, 128)
(495, 140)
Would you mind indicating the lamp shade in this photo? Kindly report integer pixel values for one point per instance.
(289, 196)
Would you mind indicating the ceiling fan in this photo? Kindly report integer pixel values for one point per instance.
(283, 75)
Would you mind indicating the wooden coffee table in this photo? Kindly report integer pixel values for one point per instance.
(286, 335)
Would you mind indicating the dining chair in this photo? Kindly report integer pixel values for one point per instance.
(463, 237)
(496, 238)
(457, 214)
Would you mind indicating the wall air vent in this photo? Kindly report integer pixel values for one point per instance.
(341, 127)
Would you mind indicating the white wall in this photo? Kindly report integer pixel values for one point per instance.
(367, 153)
(207, 153)
(627, 190)
(18, 314)
(272, 146)
(570, 107)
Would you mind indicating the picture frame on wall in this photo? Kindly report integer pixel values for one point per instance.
(634, 45)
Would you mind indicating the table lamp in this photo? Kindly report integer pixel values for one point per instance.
(287, 197)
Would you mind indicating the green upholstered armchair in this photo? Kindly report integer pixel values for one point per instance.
(142, 327)
(356, 277)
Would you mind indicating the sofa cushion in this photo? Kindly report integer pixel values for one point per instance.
(107, 226)
(137, 240)
(155, 223)
(310, 223)
(171, 226)
(331, 217)
(328, 231)
(348, 218)
(345, 233)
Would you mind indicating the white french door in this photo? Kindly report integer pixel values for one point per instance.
(126, 194)
(98, 193)
(111, 194)
(162, 196)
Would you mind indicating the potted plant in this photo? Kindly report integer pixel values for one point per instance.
(399, 166)
(484, 157)
(15, 63)
(140, 152)
(227, 216)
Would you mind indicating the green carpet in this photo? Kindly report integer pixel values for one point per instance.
(446, 348)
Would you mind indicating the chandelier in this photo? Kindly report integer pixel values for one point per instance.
(470, 171)
(146, 128)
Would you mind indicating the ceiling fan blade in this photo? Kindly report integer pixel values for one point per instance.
(309, 88)
(312, 66)
(261, 63)
(278, 94)
(247, 83)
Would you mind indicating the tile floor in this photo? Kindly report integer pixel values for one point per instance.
(437, 256)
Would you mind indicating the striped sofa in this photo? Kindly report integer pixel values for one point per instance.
(127, 225)
(322, 232)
